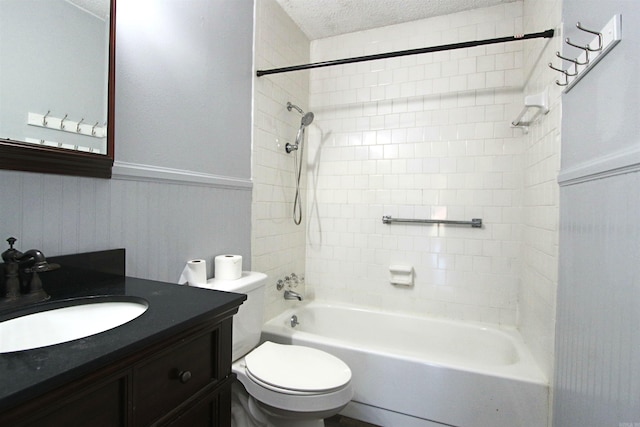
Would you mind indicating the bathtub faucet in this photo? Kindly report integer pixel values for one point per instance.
(289, 294)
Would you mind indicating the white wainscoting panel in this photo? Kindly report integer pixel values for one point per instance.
(161, 225)
(597, 379)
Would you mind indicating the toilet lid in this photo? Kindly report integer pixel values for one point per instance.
(297, 368)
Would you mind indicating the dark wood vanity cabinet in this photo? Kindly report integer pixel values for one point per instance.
(184, 380)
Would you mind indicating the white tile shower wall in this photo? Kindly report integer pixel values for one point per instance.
(538, 285)
(424, 136)
(278, 246)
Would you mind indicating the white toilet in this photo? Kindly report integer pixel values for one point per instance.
(284, 385)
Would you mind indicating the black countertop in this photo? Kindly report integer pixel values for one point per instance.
(172, 309)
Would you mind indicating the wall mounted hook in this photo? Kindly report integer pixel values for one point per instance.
(584, 48)
(595, 33)
(574, 61)
(591, 53)
(62, 121)
(564, 73)
(65, 124)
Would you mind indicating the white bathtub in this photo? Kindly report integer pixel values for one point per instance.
(415, 371)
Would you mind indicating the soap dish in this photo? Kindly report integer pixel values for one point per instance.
(401, 275)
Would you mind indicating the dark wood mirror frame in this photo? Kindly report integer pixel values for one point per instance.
(21, 156)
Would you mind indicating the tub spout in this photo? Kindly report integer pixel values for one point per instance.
(288, 294)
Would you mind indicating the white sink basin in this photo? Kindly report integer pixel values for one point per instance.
(66, 324)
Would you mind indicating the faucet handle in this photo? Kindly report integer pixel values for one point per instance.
(10, 254)
(295, 280)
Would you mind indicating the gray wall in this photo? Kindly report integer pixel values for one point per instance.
(160, 121)
(184, 92)
(597, 372)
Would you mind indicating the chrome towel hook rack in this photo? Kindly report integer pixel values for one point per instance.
(65, 124)
(591, 53)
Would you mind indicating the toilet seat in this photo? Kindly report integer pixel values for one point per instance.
(276, 391)
(285, 368)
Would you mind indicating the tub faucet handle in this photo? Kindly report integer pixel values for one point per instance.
(295, 280)
(290, 281)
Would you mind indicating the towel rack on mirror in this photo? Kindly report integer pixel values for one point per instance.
(475, 222)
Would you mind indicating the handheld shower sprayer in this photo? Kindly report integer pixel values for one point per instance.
(307, 119)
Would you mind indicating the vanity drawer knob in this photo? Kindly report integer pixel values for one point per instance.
(184, 376)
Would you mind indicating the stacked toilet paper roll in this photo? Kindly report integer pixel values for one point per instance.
(194, 273)
(228, 267)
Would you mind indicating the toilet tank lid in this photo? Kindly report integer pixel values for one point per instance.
(249, 281)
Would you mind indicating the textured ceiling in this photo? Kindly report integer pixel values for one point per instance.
(325, 18)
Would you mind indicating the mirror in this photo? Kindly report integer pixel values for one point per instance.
(57, 86)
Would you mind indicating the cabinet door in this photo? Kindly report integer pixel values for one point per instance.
(104, 405)
(166, 381)
(212, 411)
(204, 414)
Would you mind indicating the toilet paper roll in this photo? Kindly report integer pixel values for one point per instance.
(228, 267)
(194, 273)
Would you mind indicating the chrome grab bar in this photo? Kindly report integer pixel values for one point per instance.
(475, 222)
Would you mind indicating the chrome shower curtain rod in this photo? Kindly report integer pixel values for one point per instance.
(544, 34)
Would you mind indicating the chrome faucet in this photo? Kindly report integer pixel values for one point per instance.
(289, 294)
(31, 262)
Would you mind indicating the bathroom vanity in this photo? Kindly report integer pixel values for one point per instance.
(170, 366)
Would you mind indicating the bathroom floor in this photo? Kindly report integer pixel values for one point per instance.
(341, 421)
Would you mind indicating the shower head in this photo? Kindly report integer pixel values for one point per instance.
(307, 119)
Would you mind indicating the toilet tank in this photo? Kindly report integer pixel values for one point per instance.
(247, 323)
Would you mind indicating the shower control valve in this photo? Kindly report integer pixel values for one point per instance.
(295, 280)
(291, 281)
